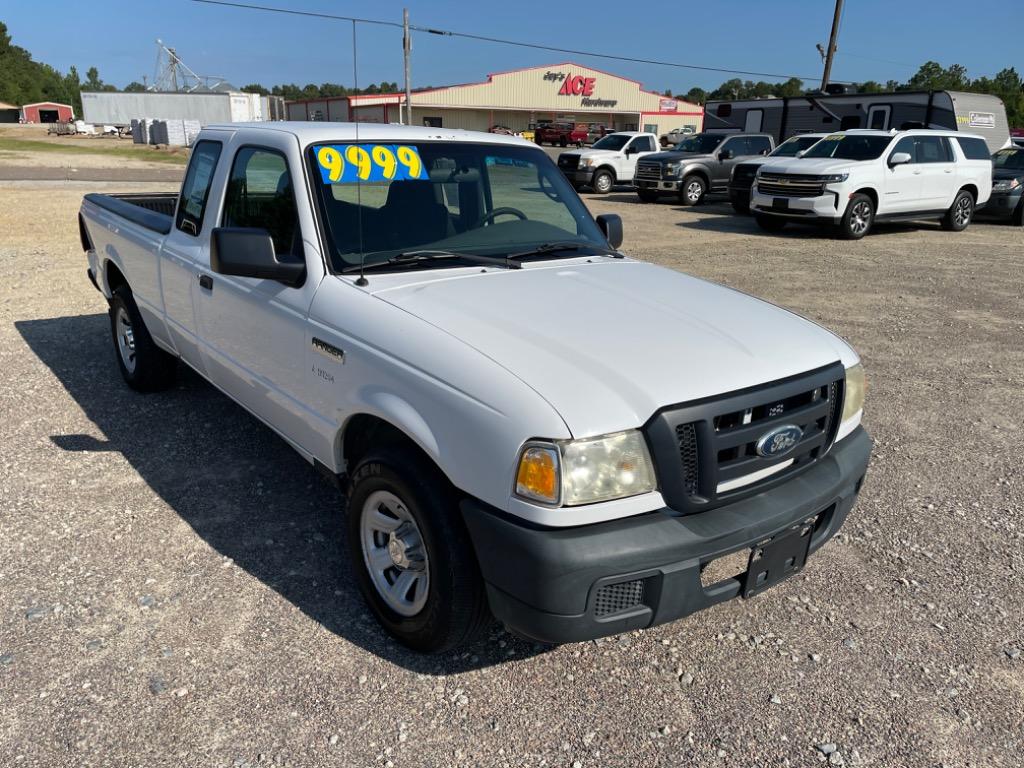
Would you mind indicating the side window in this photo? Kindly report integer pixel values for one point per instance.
(724, 110)
(738, 147)
(906, 144)
(759, 145)
(260, 194)
(973, 149)
(195, 190)
(651, 147)
(932, 149)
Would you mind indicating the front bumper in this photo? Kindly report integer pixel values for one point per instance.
(662, 185)
(1001, 205)
(823, 208)
(580, 177)
(543, 583)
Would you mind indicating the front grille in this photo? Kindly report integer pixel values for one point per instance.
(569, 162)
(790, 185)
(648, 171)
(616, 598)
(706, 452)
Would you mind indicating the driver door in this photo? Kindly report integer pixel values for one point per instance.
(736, 149)
(637, 148)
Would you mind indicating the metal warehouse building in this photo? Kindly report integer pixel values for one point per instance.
(515, 99)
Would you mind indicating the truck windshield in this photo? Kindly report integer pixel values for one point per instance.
(377, 201)
(701, 144)
(850, 146)
(613, 141)
(790, 147)
(1012, 159)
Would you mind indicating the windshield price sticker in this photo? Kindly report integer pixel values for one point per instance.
(350, 163)
(835, 137)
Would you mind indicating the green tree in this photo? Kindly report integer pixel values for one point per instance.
(255, 88)
(134, 87)
(696, 95)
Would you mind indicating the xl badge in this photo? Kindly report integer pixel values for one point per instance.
(779, 441)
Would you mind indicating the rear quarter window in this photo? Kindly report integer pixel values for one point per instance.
(974, 149)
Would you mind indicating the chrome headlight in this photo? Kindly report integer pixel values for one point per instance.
(853, 397)
(586, 471)
(1005, 185)
(671, 169)
(835, 178)
(586, 162)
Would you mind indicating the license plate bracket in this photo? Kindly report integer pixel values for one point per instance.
(778, 558)
(780, 204)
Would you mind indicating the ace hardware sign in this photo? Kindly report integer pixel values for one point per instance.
(578, 85)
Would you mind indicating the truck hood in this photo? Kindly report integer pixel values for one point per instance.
(676, 157)
(592, 152)
(607, 344)
(811, 165)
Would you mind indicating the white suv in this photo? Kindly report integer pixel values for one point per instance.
(854, 178)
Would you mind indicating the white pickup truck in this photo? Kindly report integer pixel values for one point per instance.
(528, 423)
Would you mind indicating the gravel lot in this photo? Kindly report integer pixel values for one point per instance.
(172, 591)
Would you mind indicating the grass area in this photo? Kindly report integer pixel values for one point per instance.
(174, 157)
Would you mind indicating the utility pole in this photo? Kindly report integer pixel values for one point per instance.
(831, 52)
(406, 48)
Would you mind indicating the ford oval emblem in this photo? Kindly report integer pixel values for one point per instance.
(779, 441)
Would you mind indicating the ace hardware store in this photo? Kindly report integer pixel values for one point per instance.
(518, 100)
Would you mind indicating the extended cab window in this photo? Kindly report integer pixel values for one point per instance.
(260, 194)
(195, 190)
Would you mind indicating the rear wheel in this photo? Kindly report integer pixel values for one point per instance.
(602, 182)
(770, 223)
(411, 553)
(859, 216)
(144, 366)
(960, 212)
(692, 190)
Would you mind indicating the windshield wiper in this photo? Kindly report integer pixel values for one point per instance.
(431, 254)
(540, 250)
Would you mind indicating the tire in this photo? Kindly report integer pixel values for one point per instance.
(742, 209)
(451, 610)
(692, 190)
(858, 218)
(646, 196)
(1017, 217)
(769, 223)
(602, 182)
(959, 215)
(144, 366)
(562, 142)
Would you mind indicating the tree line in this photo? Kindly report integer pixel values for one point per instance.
(931, 76)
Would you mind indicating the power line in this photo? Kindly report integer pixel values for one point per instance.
(502, 41)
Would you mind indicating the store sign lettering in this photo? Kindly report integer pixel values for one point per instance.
(577, 85)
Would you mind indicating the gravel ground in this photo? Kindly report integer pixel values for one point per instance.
(172, 591)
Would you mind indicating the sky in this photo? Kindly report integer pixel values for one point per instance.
(879, 39)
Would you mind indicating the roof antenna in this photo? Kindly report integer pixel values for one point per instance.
(362, 281)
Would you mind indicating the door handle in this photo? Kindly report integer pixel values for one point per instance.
(205, 281)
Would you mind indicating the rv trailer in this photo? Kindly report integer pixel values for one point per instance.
(975, 113)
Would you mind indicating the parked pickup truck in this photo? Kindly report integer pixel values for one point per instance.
(850, 180)
(741, 179)
(612, 160)
(562, 134)
(433, 318)
(698, 165)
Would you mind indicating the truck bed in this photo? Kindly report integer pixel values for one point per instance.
(154, 211)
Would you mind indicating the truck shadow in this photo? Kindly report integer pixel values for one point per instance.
(239, 486)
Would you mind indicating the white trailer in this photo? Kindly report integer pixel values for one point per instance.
(119, 108)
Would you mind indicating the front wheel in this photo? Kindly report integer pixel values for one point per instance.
(144, 366)
(859, 216)
(960, 212)
(692, 190)
(411, 553)
(602, 182)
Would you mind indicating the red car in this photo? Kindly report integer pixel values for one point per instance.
(561, 134)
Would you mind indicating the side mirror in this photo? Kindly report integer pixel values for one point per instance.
(899, 158)
(611, 225)
(725, 154)
(632, 150)
(800, 153)
(249, 252)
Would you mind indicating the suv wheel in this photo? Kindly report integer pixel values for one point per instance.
(411, 553)
(859, 216)
(692, 190)
(602, 182)
(960, 212)
(144, 366)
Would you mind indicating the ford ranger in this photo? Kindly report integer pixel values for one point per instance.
(610, 161)
(528, 423)
(698, 165)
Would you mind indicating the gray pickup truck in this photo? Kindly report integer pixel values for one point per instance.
(698, 165)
